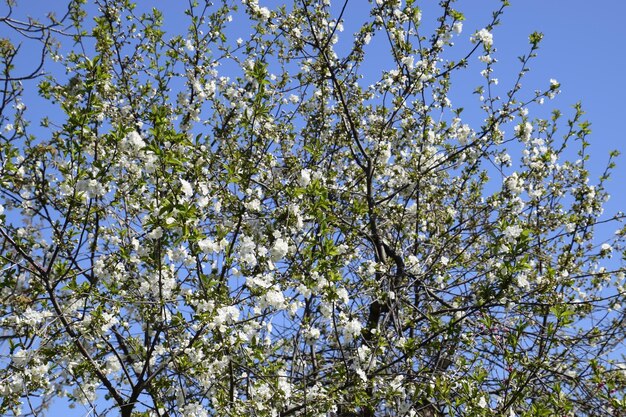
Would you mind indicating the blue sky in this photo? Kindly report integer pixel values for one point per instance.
(583, 48)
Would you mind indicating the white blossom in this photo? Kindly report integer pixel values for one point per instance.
(274, 298)
(305, 178)
(279, 250)
(133, 141)
(156, 233)
(408, 62)
(264, 12)
(226, 315)
(483, 36)
(208, 246)
(185, 187)
(606, 248)
(514, 183)
(513, 232)
(522, 281)
(482, 403)
(352, 329)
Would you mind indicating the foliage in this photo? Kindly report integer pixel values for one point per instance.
(205, 225)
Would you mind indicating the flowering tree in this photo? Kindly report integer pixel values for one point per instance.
(204, 226)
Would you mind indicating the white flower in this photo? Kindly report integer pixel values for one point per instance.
(194, 410)
(179, 254)
(275, 299)
(109, 320)
(364, 353)
(351, 329)
(284, 386)
(279, 250)
(264, 12)
(311, 335)
(21, 357)
(513, 232)
(247, 251)
(34, 317)
(226, 315)
(408, 61)
(186, 188)
(157, 233)
(342, 294)
(133, 141)
(524, 131)
(514, 183)
(457, 27)
(112, 365)
(522, 281)
(483, 36)
(198, 89)
(305, 178)
(253, 205)
(361, 373)
(606, 248)
(482, 403)
(90, 188)
(208, 246)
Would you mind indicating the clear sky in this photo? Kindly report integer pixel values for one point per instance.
(583, 48)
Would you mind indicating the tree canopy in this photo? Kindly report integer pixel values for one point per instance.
(257, 212)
